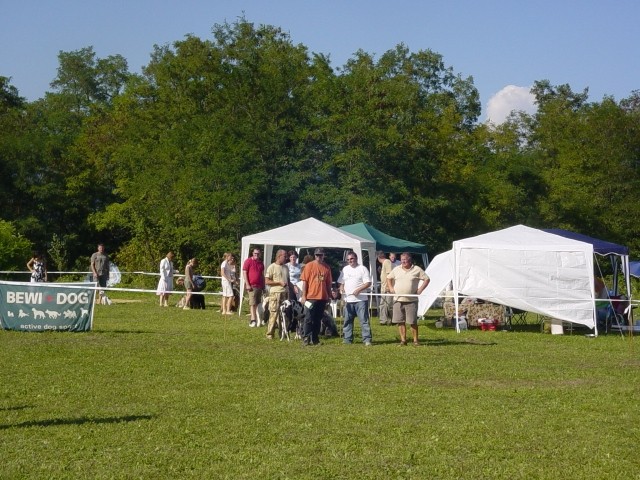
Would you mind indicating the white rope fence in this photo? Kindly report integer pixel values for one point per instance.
(112, 289)
(491, 299)
(152, 274)
(631, 302)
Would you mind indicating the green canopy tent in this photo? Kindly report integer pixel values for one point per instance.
(386, 242)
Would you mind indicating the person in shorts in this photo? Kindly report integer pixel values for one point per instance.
(405, 282)
(253, 274)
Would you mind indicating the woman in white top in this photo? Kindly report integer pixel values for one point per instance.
(294, 275)
(165, 284)
(228, 274)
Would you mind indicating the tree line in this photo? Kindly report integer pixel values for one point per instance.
(222, 137)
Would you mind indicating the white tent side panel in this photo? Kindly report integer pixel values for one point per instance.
(440, 273)
(554, 284)
(528, 269)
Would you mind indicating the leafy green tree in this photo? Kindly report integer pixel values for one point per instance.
(9, 96)
(85, 80)
(246, 131)
(52, 184)
(507, 182)
(11, 120)
(587, 154)
(204, 140)
(391, 126)
(15, 250)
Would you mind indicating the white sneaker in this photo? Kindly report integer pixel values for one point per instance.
(252, 323)
(186, 308)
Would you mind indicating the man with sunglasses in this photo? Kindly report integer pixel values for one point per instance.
(316, 292)
(354, 280)
(253, 273)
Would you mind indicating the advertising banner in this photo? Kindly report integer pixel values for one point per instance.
(41, 307)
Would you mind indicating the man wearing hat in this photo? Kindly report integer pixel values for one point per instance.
(316, 292)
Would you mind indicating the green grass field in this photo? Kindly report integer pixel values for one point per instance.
(166, 393)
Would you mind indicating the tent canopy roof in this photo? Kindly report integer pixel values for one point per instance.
(521, 237)
(601, 247)
(309, 232)
(383, 241)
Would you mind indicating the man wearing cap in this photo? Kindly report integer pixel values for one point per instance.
(354, 280)
(316, 287)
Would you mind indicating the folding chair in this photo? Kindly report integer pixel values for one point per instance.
(616, 314)
(515, 316)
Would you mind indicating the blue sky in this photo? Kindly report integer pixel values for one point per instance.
(504, 45)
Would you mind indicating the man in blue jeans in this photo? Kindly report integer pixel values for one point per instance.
(354, 281)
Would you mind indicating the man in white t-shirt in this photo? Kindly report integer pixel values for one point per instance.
(355, 280)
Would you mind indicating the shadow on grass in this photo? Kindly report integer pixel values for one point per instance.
(17, 407)
(119, 332)
(438, 342)
(76, 421)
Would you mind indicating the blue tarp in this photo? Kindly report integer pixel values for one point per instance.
(634, 269)
(601, 247)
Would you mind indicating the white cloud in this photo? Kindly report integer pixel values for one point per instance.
(509, 98)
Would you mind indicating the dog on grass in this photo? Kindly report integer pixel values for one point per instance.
(104, 300)
(262, 312)
(291, 319)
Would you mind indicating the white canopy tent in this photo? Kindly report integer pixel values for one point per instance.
(307, 233)
(523, 268)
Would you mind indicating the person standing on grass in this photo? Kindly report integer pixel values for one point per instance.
(165, 284)
(253, 274)
(384, 306)
(188, 281)
(316, 287)
(355, 280)
(277, 278)
(403, 281)
(294, 275)
(228, 274)
(100, 268)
